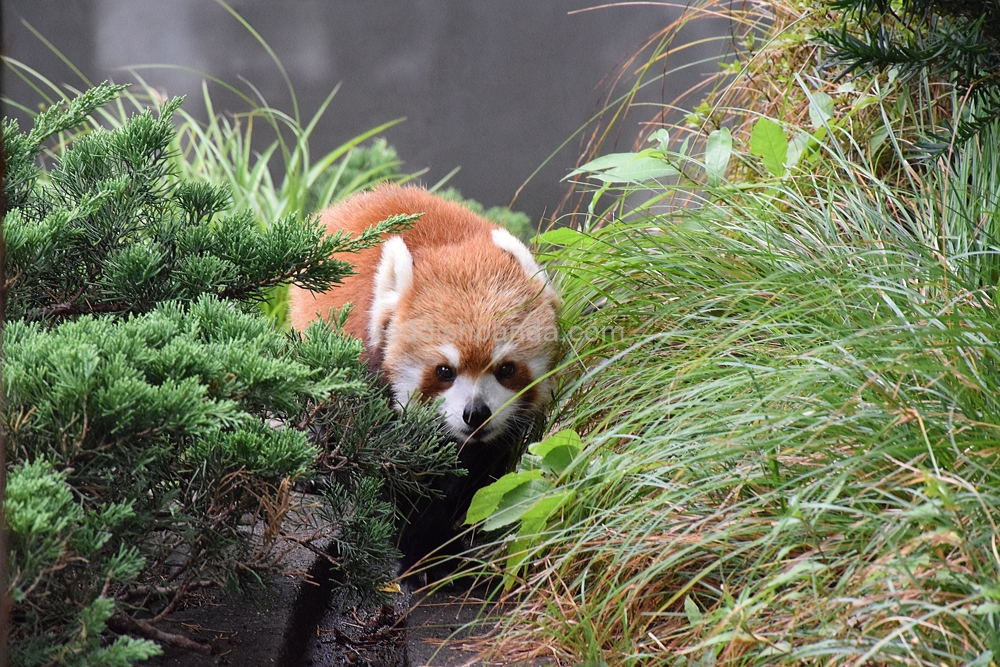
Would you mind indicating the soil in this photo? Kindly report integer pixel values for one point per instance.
(243, 629)
(413, 630)
(301, 620)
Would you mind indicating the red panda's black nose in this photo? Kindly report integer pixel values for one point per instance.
(476, 414)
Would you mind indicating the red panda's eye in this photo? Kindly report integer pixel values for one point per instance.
(506, 371)
(445, 373)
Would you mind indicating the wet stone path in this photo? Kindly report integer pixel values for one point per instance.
(412, 631)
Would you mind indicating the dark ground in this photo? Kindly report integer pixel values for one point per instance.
(258, 630)
(300, 620)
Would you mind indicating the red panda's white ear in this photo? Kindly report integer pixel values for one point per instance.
(509, 243)
(393, 279)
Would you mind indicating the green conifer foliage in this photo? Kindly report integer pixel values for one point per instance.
(108, 230)
(951, 40)
(55, 546)
(155, 420)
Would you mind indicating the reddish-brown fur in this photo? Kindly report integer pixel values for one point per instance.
(443, 223)
(461, 278)
(477, 306)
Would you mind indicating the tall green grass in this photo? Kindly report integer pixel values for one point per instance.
(274, 174)
(791, 453)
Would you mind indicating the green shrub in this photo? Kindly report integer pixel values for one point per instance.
(152, 413)
(51, 534)
(956, 42)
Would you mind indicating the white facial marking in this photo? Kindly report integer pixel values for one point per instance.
(406, 383)
(539, 366)
(456, 397)
(393, 278)
(466, 390)
(450, 353)
(496, 396)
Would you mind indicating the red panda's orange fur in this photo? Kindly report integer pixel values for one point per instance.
(443, 223)
(460, 270)
(461, 277)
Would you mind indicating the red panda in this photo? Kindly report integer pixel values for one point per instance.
(454, 308)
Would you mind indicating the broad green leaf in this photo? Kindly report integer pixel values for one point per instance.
(608, 161)
(638, 167)
(984, 659)
(798, 145)
(535, 517)
(518, 551)
(802, 570)
(516, 502)
(639, 170)
(488, 498)
(559, 458)
(661, 137)
(778, 648)
(878, 136)
(718, 149)
(692, 612)
(566, 438)
(986, 608)
(562, 236)
(683, 150)
(820, 109)
(768, 142)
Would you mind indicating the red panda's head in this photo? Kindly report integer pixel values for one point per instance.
(474, 324)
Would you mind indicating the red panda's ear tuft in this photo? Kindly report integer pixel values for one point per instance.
(510, 244)
(393, 279)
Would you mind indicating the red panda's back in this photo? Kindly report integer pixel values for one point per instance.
(443, 223)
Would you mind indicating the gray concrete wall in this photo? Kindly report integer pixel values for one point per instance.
(492, 86)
